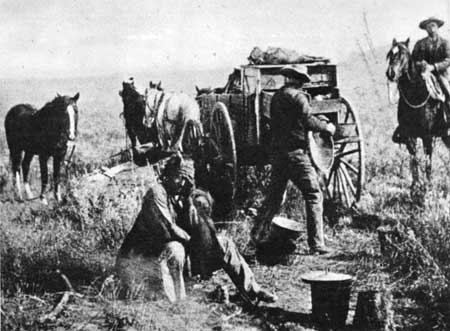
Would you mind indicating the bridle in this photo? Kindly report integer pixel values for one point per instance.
(405, 71)
(153, 109)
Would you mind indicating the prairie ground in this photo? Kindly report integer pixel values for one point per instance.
(81, 236)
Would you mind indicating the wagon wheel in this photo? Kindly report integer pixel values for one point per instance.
(346, 177)
(224, 164)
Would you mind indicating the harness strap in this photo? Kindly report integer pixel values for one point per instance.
(410, 104)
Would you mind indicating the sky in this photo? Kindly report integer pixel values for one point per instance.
(59, 38)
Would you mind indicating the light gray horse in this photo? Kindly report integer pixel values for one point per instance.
(171, 112)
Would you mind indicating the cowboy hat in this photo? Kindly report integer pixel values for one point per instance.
(296, 71)
(424, 23)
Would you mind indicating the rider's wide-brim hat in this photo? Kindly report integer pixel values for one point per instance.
(424, 23)
(295, 71)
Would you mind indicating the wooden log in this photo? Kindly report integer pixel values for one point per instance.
(374, 310)
(388, 236)
(51, 316)
(57, 310)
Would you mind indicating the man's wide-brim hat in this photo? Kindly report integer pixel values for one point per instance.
(424, 23)
(177, 165)
(296, 71)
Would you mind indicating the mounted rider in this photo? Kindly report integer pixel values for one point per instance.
(432, 55)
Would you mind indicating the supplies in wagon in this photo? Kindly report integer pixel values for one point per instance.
(278, 55)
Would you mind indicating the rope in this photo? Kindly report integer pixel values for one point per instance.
(389, 93)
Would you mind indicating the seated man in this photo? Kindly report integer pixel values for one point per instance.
(174, 219)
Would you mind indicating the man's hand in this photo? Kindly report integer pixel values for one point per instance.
(429, 67)
(180, 233)
(142, 149)
(426, 67)
(331, 129)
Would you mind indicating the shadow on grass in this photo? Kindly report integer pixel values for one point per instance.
(37, 274)
(275, 318)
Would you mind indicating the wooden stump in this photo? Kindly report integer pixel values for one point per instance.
(374, 310)
(388, 236)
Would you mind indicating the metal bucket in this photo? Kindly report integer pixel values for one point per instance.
(284, 228)
(330, 294)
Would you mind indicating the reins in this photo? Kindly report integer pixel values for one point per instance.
(156, 105)
(402, 94)
(409, 103)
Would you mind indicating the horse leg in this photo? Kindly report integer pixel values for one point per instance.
(25, 171)
(44, 176)
(178, 146)
(16, 160)
(57, 160)
(414, 161)
(428, 147)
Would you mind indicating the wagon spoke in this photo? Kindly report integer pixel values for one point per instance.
(349, 180)
(338, 186)
(342, 153)
(350, 166)
(344, 187)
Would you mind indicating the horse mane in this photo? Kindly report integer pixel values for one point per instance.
(57, 104)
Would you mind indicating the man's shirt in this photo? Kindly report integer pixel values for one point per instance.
(291, 118)
(435, 52)
(151, 231)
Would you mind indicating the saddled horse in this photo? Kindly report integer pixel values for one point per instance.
(419, 115)
(169, 122)
(45, 132)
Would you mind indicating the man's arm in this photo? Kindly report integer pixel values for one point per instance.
(442, 66)
(307, 119)
(160, 202)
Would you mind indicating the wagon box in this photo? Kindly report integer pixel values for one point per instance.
(237, 118)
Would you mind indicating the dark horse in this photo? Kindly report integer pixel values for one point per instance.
(419, 115)
(134, 114)
(45, 132)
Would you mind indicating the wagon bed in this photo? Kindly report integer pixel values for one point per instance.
(237, 119)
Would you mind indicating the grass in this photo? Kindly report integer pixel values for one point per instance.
(81, 236)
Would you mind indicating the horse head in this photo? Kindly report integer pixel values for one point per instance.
(133, 104)
(137, 117)
(398, 59)
(72, 110)
(66, 105)
(154, 95)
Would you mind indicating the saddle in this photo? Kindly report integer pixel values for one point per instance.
(433, 86)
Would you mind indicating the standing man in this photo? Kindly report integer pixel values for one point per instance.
(432, 54)
(291, 119)
(175, 221)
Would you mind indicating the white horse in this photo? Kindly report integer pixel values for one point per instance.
(171, 114)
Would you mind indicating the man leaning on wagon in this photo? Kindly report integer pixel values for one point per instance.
(432, 54)
(291, 119)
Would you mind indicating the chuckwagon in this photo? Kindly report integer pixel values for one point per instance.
(237, 119)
